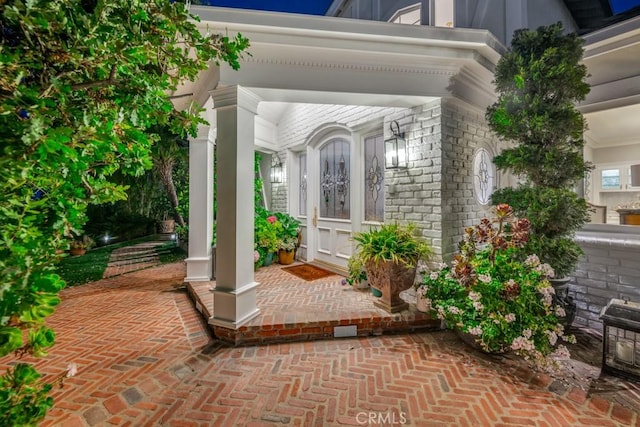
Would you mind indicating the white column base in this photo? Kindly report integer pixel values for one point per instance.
(232, 308)
(198, 269)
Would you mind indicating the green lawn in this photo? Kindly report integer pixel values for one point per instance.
(90, 267)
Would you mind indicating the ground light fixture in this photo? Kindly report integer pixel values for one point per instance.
(621, 338)
(276, 170)
(395, 148)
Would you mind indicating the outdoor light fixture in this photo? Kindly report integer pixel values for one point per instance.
(635, 175)
(621, 338)
(276, 170)
(395, 148)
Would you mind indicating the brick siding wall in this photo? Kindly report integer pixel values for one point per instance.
(609, 268)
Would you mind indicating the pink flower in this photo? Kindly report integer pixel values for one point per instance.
(256, 256)
(272, 219)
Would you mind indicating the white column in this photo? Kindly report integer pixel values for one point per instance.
(200, 206)
(234, 298)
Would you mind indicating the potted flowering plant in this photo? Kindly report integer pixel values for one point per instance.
(390, 255)
(286, 250)
(495, 301)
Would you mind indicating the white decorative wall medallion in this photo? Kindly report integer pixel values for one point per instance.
(483, 176)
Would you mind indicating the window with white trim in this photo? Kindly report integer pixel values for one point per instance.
(409, 15)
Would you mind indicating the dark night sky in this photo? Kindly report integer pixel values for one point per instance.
(619, 6)
(310, 7)
(319, 7)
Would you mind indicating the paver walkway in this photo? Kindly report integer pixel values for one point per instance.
(133, 258)
(145, 359)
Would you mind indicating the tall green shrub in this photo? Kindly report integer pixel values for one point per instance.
(81, 82)
(539, 81)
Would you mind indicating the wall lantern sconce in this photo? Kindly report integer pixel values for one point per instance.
(621, 338)
(276, 170)
(395, 148)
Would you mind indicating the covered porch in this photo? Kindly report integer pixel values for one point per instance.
(317, 82)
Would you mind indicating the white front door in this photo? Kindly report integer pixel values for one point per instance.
(330, 209)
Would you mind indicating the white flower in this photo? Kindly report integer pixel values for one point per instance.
(532, 261)
(454, 310)
(474, 296)
(560, 312)
(511, 317)
(433, 275)
(522, 343)
(478, 306)
(527, 333)
(72, 370)
(561, 353)
(545, 269)
(442, 266)
(485, 278)
(553, 338)
(476, 330)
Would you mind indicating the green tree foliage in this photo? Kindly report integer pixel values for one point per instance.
(539, 81)
(81, 81)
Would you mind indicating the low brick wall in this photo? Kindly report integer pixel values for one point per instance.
(609, 268)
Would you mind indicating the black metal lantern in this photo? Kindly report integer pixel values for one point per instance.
(395, 148)
(276, 170)
(621, 338)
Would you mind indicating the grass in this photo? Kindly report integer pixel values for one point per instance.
(90, 267)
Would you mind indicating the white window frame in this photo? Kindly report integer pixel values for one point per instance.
(405, 11)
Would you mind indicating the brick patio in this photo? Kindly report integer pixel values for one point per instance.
(146, 358)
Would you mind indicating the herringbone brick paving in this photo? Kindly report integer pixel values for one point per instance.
(145, 359)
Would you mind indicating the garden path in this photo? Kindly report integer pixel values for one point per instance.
(132, 258)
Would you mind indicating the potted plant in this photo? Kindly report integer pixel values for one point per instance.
(80, 246)
(357, 275)
(390, 255)
(286, 251)
(495, 301)
(290, 227)
(539, 81)
(267, 231)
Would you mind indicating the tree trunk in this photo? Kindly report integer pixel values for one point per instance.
(165, 170)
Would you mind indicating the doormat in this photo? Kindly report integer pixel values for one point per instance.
(308, 272)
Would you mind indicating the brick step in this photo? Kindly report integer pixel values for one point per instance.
(134, 260)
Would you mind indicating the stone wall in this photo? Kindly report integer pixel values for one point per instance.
(609, 268)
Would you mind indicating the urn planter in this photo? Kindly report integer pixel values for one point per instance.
(390, 278)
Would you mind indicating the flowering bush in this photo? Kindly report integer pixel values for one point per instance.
(505, 304)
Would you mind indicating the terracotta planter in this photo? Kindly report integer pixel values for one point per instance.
(167, 226)
(391, 279)
(77, 251)
(285, 257)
